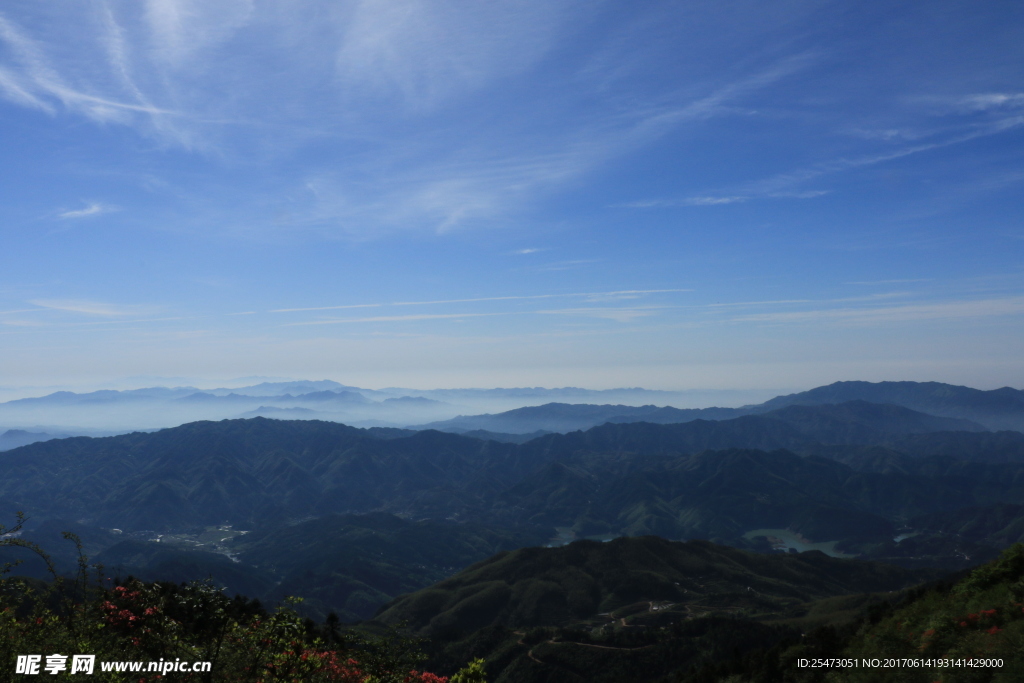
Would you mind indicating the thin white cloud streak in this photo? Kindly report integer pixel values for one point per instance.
(38, 80)
(989, 101)
(716, 102)
(711, 200)
(126, 321)
(787, 185)
(22, 323)
(688, 201)
(563, 265)
(621, 315)
(11, 85)
(947, 310)
(88, 307)
(93, 323)
(780, 302)
(624, 292)
(891, 282)
(400, 318)
(789, 180)
(91, 210)
(36, 75)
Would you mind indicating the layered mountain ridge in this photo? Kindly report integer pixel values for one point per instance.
(545, 410)
(352, 518)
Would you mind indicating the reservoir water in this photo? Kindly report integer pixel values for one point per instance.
(784, 539)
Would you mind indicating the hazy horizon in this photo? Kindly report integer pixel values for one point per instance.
(156, 406)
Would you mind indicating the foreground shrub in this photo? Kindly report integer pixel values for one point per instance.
(179, 625)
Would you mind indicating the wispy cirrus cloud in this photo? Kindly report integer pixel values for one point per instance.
(621, 314)
(909, 313)
(95, 308)
(93, 209)
(34, 80)
(685, 201)
(180, 30)
(789, 181)
(983, 102)
(789, 185)
(422, 52)
(485, 184)
(882, 296)
(399, 318)
(21, 322)
(891, 282)
(556, 266)
(720, 200)
(148, 64)
(594, 296)
(618, 314)
(354, 74)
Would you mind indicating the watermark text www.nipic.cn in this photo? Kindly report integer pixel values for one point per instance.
(86, 664)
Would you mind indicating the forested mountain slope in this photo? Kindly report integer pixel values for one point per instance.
(628, 610)
(857, 478)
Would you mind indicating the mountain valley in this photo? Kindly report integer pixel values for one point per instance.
(538, 550)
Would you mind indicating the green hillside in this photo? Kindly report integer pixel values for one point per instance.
(581, 581)
(642, 605)
(350, 565)
(854, 474)
(856, 478)
(955, 631)
(353, 564)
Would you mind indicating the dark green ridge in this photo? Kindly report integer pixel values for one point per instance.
(584, 580)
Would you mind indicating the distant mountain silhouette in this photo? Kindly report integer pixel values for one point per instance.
(565, 417)
(13, 438)
(282, 413)
(159, 406)
(996, 409)
(415, 400)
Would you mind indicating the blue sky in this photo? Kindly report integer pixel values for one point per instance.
(437, 194)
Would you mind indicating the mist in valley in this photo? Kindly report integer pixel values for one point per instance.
(106, 412)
